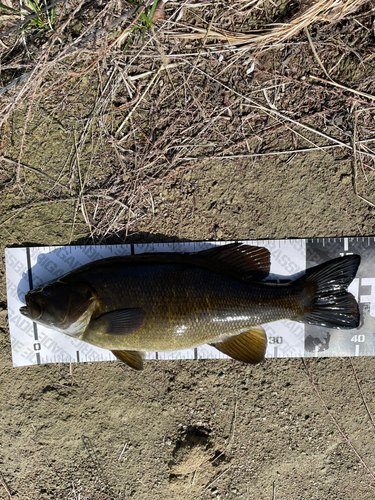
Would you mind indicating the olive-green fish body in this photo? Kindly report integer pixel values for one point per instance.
(185, 306)
(164, 302)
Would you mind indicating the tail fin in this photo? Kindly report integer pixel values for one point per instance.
(328, 302)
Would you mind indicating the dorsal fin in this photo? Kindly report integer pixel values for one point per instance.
(248, 347)
(253, 262)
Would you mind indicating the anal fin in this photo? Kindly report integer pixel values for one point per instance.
(248, 347)
(134, 359)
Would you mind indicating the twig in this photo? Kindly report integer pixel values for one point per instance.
(4, 484)
(233, 423)
(316, 54)
(271, 153)
(117, 215)
(366, 200)
(218, 477)
(32, 169)
(107, 198)
(355, 149)
(132, 78)
(80, 197)
(124, 448)
(331, 82)
(74, 220)
(302, 137)
(3, 137)
(15, 82)
(363, 397)
(139, 101)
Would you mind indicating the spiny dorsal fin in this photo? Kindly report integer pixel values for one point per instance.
(253, 262)
(248, 347)
(134, 359)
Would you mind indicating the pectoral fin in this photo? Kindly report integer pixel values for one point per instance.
(120, 322)
(133, 359)
(248, 347)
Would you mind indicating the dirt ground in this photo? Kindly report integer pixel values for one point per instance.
(195, 161)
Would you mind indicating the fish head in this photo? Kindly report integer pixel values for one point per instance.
(59, 305)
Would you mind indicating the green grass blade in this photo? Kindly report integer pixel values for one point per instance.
(9, 8)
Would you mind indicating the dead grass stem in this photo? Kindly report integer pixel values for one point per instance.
(318, 10)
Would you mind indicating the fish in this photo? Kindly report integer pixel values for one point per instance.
(170, 301)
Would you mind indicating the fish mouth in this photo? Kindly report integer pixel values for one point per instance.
(32, 310)
(24, 311)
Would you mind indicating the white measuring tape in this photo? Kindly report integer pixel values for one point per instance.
(27, 268)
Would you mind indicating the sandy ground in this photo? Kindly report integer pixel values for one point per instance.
(283, 430)
(204, 429)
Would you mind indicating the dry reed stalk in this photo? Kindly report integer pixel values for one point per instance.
(313, 11)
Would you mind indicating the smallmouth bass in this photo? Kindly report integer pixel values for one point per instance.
(171, 301)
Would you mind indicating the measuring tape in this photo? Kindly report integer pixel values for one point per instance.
(27, 268)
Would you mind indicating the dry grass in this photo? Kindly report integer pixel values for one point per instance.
(156, 109)
(311, 11)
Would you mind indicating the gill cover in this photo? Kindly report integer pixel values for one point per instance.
(58, 304)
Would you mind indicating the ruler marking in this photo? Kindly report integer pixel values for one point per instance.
(29, 272)
(357, 350)
(31, 286)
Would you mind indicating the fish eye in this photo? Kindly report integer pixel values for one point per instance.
(47, 291)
